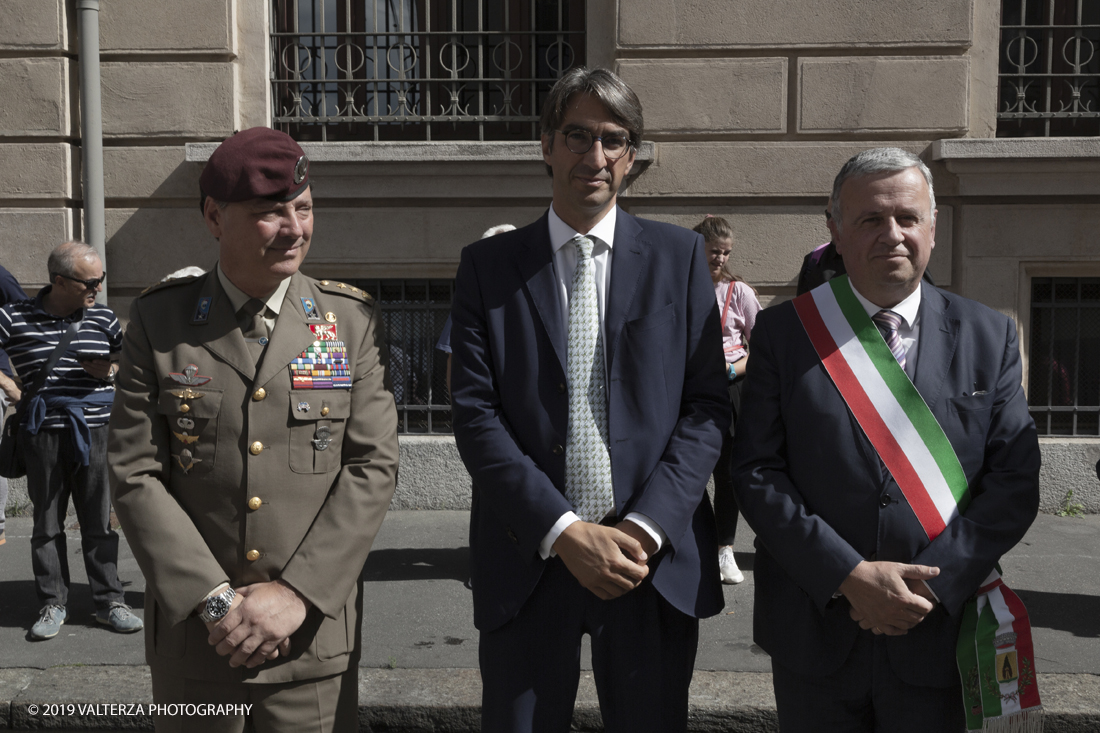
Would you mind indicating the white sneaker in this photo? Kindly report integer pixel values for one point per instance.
(728, 566)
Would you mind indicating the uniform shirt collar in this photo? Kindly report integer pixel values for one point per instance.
(561, 233)
(907, 309)
(237, 297)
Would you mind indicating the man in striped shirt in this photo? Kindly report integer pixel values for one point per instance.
(65, 435)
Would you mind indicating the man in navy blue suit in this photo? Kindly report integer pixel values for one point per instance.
(589, 404)
(858, 608)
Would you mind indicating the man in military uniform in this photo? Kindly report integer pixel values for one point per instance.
(253, 453)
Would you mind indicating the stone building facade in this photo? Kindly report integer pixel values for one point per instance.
(751, 108)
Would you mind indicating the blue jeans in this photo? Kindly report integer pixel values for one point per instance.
(54, 474)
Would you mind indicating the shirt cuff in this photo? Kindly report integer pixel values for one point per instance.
(931, 591)
(546, 547)
(651, 528)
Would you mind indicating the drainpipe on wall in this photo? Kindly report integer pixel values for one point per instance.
(91, 132)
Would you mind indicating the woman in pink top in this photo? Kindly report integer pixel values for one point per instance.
(738, 306)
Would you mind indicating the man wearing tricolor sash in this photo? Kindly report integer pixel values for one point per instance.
(886, 460)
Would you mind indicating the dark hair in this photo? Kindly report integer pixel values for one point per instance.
(620, 100)
(715, 227)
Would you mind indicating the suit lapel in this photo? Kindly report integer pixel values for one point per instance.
(936, 346)
(292, 334)
(537, 270)
(627, 262)
(221, 335)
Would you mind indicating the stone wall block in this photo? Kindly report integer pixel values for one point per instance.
(168, 99)
(32, 25)
(880, 94)
(1032, 232)
(153, 172)
(749, 169)
(29, 236)
(35, 171)
(793, 23)
(144, 245)
(410, 236)
(712, 95)
(195, 26)
(35, 92)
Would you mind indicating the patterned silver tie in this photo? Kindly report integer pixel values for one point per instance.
(888, 322)
(587, 460)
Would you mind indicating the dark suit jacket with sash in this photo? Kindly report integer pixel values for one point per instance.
(809, 483)
(667, 405)
(320, 508)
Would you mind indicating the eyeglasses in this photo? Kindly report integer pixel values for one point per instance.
(89, 284)
(580, 141)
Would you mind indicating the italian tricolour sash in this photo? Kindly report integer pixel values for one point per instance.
(995, 656)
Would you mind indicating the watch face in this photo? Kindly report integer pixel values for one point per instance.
(217, 607)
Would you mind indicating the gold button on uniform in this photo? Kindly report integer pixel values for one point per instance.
(324, 410)
(253, 555)
(259, 394)
(256, 448)
(185, 408)
(254, 503)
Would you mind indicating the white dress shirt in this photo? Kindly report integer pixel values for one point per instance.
(565, 262)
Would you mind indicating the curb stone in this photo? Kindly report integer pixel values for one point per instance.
(447, 701)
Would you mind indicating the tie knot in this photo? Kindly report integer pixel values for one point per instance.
(584, 247)
(887, 319)
(253, 307)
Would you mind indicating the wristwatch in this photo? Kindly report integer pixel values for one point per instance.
(217, 606)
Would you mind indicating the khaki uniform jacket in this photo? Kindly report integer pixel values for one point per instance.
(264, 496)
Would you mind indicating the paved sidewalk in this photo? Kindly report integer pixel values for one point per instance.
(420, 648)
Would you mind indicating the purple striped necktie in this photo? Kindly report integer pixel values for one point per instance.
(888, 322)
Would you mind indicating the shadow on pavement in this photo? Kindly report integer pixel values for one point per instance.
(1072, 612)
(418, 564)
(19, 604)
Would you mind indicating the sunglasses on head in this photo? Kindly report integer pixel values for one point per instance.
(89, 284)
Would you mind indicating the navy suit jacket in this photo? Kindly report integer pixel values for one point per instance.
(668, 406)
(810, 484)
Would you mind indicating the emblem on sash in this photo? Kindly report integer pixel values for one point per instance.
(185, 438)
(186, 460)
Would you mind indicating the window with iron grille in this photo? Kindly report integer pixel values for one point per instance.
(413, 314)
(419, 69)
(1064, 369)
(1049, 68)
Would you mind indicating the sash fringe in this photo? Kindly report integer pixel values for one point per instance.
(1024, 721)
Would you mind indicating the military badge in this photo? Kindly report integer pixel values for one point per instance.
(186, 394)
(310, 307)
(322, 438)
(303, 406)
(185, 423)
(301, 170)
(185, 438)
(186, 460)
(324, 364)
(330, 317)
(189, 376)
(323, 331)
(202, 310)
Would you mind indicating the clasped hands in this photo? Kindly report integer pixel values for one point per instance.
(609, 561)
(260, 621)
(889, 597)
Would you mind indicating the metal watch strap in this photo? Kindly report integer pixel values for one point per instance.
(217, 606)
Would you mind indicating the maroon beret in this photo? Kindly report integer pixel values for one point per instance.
(258, 163)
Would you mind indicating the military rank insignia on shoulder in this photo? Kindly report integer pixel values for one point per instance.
(167, 284)
(337, 288)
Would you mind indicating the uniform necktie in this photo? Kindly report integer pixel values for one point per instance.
(253, 327)
(587, 460)
(888, 322)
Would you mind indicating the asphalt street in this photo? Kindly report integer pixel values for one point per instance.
(417, 610)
